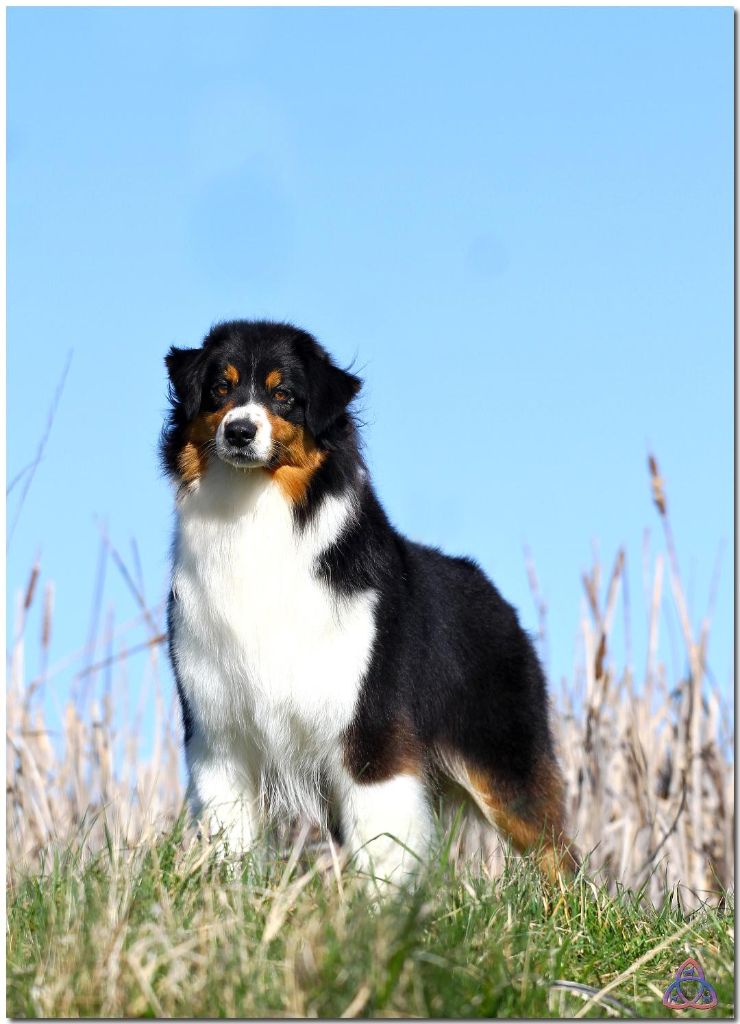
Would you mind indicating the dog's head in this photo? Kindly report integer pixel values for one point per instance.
(257, 396)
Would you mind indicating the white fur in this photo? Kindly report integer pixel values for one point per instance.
(388, 825)
(256, 414)
(271, 662)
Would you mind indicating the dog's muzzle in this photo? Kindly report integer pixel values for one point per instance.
(245, 438)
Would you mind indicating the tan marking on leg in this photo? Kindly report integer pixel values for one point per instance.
(401, 753)
(532, 822)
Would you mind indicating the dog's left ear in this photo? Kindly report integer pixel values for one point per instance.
(330, 390)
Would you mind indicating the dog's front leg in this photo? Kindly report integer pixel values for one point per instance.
(386, 827)
(222, 795)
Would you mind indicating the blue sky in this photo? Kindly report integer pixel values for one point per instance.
(517, 223)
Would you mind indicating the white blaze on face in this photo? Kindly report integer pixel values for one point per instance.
(257, 416)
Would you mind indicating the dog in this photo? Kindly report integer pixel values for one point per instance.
(327, 667)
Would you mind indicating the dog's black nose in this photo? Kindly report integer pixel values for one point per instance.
(240, 432)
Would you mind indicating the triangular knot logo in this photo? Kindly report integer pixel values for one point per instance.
(698, 993)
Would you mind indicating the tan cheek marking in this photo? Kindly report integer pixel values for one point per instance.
(204, 427)
(298, 458)
(273, 379)
(193, 459)
(191, 462)
(232, 375)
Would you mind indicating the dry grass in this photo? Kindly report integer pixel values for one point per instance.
(648, 766)
(164, 931)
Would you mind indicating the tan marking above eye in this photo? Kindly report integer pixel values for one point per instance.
(273, 379)
(232, 375)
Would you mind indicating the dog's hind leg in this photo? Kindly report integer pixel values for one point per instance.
(530, 815)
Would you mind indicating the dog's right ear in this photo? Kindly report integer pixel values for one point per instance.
(186, 367)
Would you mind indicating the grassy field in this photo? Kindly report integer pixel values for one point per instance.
(168, 931)
(115, 909)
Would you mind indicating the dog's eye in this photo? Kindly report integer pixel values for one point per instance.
(221, 388)
(282, 395)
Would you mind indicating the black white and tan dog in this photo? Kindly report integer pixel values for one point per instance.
(328, 668)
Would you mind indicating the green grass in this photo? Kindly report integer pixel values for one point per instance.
(168, 930)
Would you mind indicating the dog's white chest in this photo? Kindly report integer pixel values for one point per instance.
(266, 654)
